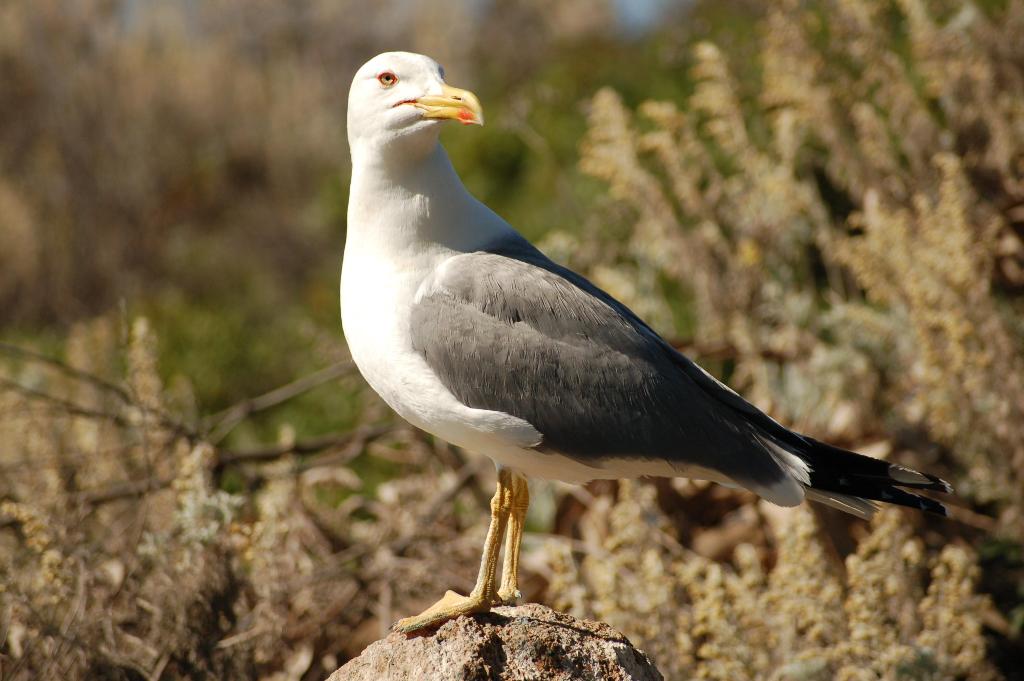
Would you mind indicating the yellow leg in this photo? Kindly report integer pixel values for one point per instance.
(509, 591)
(485, 593)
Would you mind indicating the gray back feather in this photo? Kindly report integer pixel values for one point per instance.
(507, 329)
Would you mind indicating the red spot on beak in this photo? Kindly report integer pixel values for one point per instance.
(466, 117)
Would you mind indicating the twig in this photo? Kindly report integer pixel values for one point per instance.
(398, 545)
(158, 670)
(241, 637)
(134, 488)
(85, 376)
(454, 457)
(121, 490)
(163, 418)
(360, 437)
(65, 405)
(69, 620)
(466, 475)
(309, 446)
(122, 661)
(220, 424)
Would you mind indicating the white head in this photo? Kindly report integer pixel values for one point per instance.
(398, 101)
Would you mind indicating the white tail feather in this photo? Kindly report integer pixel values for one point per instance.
(796, 467)
(861, 508)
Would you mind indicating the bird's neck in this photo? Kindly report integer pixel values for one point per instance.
(406, 205)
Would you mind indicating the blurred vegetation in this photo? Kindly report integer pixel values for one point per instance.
(891, 611)
(821, 201)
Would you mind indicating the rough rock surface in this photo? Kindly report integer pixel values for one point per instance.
(524, 642)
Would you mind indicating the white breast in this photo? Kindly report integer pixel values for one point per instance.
(375, 309)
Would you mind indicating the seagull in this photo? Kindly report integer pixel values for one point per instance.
(472, 334)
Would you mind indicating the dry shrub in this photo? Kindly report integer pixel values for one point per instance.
(848, 223)
(846, 217)
(965, 371)
(895, 613)
(123, 556)
(143, 143)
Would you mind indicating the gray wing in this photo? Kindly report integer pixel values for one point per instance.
(508, 330)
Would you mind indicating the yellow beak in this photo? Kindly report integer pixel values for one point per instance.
(453, 103)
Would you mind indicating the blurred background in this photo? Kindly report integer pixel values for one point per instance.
(822, 201)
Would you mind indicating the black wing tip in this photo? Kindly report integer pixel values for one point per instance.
(846, 472)
(933, 507)
(894, 495)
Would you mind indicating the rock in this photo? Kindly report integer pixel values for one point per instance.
(522, 643)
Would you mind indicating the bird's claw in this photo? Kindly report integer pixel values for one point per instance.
(450, 606)
(509, 596)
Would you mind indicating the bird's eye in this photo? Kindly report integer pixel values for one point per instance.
(387, 79)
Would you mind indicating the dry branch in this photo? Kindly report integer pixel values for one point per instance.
(219, 425)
